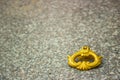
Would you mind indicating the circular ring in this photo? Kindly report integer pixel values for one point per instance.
(84, 59)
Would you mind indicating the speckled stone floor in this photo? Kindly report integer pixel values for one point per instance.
(37, 35)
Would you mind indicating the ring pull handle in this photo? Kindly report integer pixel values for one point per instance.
(87, 59)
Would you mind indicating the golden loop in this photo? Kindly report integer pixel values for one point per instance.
(86, 59)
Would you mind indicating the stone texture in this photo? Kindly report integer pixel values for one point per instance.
(37, 35)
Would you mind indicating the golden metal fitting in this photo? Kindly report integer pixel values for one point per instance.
(84, 59)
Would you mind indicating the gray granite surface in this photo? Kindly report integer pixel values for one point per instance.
(37, 35)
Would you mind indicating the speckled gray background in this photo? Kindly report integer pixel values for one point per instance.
(37, 35)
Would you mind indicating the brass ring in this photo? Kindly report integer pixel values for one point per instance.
(84, 59)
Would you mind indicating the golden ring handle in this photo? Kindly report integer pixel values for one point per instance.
(85, 54)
